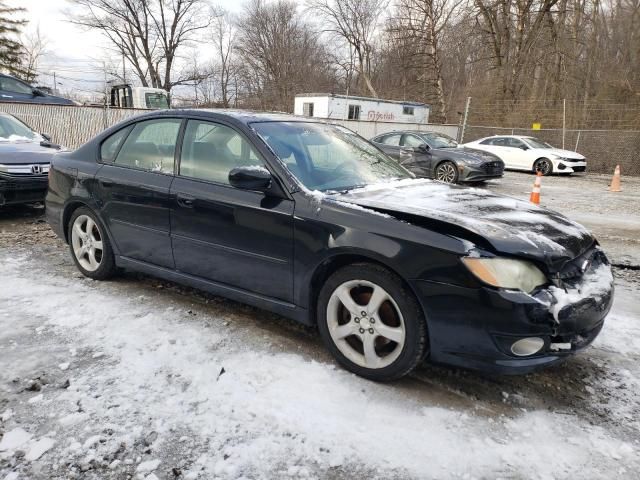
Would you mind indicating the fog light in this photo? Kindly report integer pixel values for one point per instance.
(527, 346)
(561, 166)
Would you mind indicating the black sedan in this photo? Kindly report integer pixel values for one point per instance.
(24, 162)
(311, 221)
(438, 156)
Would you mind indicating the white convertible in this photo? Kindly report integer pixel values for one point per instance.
(528, 153)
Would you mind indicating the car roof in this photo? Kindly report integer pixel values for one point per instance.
(417, 132)
(244, 116)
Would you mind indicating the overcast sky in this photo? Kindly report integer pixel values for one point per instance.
(74, 54)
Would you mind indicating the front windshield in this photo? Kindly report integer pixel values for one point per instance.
(13, 130)
(535, 143)
(439, 140)
(328, 157)
(156, 100)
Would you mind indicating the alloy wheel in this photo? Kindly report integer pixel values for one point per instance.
(446, 172)
(86, 241)
(543, 166)
(366, 324)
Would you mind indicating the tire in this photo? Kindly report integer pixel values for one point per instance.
(446, 172)
(89, 245)
(347, 336)
(544, 166)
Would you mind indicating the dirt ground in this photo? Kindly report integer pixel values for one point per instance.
(93, 409)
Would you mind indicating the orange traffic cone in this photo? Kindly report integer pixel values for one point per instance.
(535, 193)
(615, 181)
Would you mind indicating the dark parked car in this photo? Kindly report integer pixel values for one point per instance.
(438, 156)
(14, 90)
(24, 162)
(313, 222)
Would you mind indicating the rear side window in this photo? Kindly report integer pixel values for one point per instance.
(151, 146)
(210, 151)
(109, 147)
(412, 141)
(392, 140)
(499, 142)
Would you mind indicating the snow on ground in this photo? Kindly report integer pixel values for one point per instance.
(178, 387)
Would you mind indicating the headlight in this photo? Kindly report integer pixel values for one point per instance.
(506, 273)
(472, 160)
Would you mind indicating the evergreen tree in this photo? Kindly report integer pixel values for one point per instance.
(10, 49)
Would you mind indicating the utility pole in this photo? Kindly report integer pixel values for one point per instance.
(124, 71)
(55, 84)
(464, 121)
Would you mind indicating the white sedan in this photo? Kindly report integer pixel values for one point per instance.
(530, 154)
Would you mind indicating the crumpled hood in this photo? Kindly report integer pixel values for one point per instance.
(12, 153)
(509, 225)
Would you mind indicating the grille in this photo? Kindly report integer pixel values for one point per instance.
(493, 168)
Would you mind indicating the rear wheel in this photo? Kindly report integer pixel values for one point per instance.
(447, 172)
(89, 245)
(544, 166)
(371, 323)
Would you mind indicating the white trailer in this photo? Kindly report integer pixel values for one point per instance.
(345, 107)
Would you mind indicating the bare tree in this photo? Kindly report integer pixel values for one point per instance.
(148, 33)
(354, 21)
(416, 31)
(281, 54)
(224, 37)
(34, 47)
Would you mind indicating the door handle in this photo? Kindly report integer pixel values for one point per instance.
(105, 183)
(185, 201)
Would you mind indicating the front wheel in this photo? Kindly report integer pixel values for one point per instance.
(544, 166)
(89, 245)
(447, 172)
(371, 323)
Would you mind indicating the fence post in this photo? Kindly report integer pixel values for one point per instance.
(577, 141)
(464, 121)
(564, 120)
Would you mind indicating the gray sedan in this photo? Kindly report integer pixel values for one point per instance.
(438, 156)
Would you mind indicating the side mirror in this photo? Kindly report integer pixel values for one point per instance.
(424, 148)
(46, 136)
(524, 147)
(250, 178)
(37, 93)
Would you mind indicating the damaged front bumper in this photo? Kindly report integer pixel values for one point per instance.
(478, 327)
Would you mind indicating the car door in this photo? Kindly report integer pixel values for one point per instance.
(390, 144)
(12, 90)
(132, 188)
(231, 236)
(518, 154)
(413, 157)
(498, 146)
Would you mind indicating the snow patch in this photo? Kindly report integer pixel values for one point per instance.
(14, 439)
(148, 466)
(594, 284)
(39, 448)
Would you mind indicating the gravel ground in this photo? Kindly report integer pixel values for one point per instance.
(141, 378)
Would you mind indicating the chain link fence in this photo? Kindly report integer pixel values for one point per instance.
(604, 149)
(68, 125)
(72, 126)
